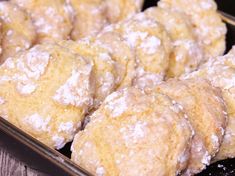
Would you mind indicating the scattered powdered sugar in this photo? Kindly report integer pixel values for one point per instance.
(150, 44)
(132, 133)
(225, 168)
(100, 171)
(44, 23)
(218, 71)
(215, 141)
(206, 5)
(222, 131)
(67, 127)
(183, 157)
(29, 68)
(180, 106)
(192, 50)
(107, 81)
(59, 141)
(2, 101)
(117, 106)
(177, 108)
(105, 57)
(9, 32)
(206, 159)
(38, 122)
(68, 8)
(4, 79)
(186, 43)
(138, 131)
(26, 88)
(146, 79)
(9, 63)
(88, 144)
(5, 16)
(17, 49)
(229, 83)
(132, 37)
(76, 90)
(36, 61)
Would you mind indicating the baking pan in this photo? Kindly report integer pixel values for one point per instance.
(40, 157)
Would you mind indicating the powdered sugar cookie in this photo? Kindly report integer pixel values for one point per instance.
(46, 92)
(123, 56)
(51, 18)
(207, 23)
(204, 106)
(186, 53)
(104, 66)
(151, 45)
(220, 71)
(18, 32)
(112, 143)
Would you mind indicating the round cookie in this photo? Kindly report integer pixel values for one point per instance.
(18, 32)
(186, 53)
(118, 10)
(220, 71)
(89, 17)
(112, 143)
(207, 23)
(46, 92)
(204, 106)
(151, 45)
(104, 67)
(51, 18)
(122, 54)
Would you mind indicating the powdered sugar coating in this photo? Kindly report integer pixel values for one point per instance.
(125, 121)
(50, 18)
(150, 46)
(59, 141)
(149, 41)
(67, 127)
(100, 171)
(104, 66)
(31, 79)
(147, 80)
(190, 94)
(2, 101)
(122, 55)
(17, 31)
(27, 69)
(206, 159)
(133, 133)
(38, 122)
(133, 37)
(71, 93)
(220, 72)
(186, 53)
(208, 26)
